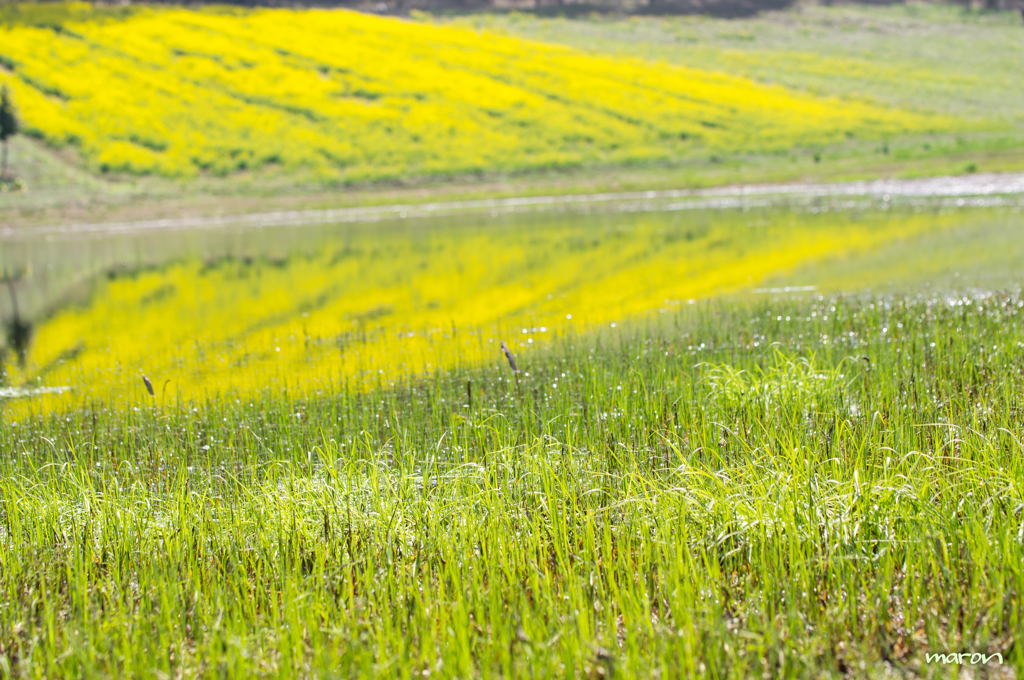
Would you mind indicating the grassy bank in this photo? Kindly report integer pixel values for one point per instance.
(61, 194)
(798, 488)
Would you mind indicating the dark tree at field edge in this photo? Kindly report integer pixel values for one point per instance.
(9, 125)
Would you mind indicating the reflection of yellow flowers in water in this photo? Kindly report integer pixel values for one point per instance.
(383, 302)
(352, 97)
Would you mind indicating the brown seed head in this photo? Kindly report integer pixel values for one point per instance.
(508, 355)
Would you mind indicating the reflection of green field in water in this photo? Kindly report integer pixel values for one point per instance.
(363, 304)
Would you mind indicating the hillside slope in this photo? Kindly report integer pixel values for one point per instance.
(347, 97)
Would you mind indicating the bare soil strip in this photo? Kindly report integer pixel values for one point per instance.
(974, 186)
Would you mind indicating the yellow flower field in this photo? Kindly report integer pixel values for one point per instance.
(352, 97)
(382, 302)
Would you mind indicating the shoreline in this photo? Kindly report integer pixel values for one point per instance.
(982, 185)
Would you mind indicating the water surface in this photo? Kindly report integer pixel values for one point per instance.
(229, 307)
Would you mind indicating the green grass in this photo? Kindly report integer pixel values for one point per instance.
(776, 488)
(917, 56)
